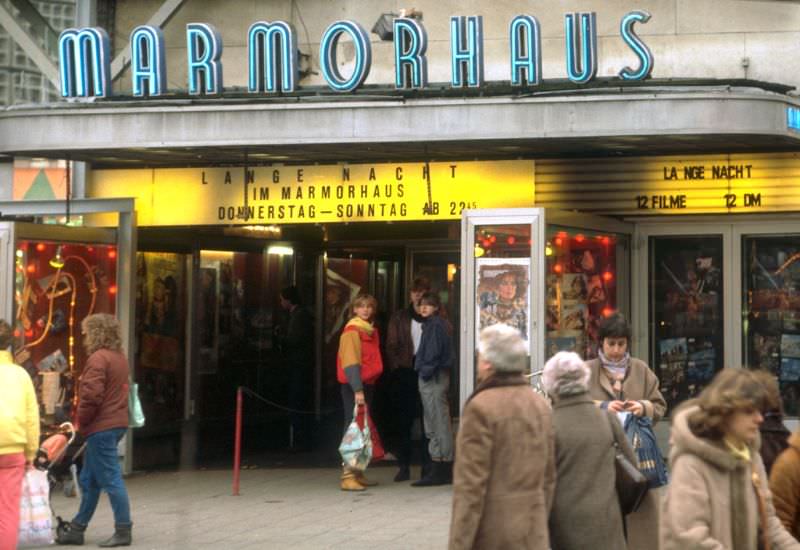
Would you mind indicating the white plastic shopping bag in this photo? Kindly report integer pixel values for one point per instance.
(35, 520)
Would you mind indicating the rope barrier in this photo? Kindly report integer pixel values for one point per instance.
(251, 393)
(237, 435)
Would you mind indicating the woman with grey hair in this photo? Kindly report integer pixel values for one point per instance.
(585, 512)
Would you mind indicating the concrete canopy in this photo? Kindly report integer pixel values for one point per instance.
(225, 131)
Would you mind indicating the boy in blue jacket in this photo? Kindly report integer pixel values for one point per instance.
(433, 362)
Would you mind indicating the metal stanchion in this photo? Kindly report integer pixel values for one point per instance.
(237, 446)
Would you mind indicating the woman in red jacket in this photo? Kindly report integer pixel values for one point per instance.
(358, 366)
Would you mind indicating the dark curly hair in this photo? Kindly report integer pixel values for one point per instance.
(732, 390)
(614, 326)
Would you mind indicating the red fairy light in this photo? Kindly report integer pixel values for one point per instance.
(558, 268)
(559, 241)
(493, 238)
(112, 254)
(607, 276)
(579, 238)
(511, 239)
(31, 268)
(487, 243)
(605, 240)
(29, 333)
(112, 289)
(40, 247)
(607, 311)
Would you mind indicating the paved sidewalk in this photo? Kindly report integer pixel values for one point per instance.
(278, 508)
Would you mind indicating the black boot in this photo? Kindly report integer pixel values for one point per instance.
(403, 474)
(436, 476)
(69, 532)
(448, 472)
(121, 536)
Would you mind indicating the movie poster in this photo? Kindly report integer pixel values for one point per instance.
(503, 294)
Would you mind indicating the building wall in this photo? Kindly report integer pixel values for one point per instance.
(688, 38)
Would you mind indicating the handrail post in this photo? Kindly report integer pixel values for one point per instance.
(237, 443)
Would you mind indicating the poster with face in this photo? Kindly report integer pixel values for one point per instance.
(503, 294)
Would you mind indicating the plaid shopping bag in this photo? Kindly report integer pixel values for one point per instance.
(356, 445)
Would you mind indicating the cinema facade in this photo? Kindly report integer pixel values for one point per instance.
(633, 159)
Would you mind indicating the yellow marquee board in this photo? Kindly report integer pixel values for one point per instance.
(671, 185)
(318, 194)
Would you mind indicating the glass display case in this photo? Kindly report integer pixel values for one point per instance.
(686, 312)
(57, 284)
(502, 266)
(581, 287)
(771, 317)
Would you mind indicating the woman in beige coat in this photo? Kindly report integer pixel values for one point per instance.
(618, 382)
(718, 497)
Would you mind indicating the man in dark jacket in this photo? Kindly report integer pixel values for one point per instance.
(297, 348)
(102, 420)
(402, 341)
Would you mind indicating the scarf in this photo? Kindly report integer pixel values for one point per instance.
(615, 368)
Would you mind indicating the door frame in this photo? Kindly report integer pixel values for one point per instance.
(640, 322)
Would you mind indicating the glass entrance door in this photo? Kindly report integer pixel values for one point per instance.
(769, 258)
(686, 312)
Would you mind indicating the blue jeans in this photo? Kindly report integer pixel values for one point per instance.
(101, 472)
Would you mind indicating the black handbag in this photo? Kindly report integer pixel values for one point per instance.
(631, 484)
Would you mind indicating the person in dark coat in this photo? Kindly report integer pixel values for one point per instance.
(433, 362)
(774, 435)
(403, 336)
(586, 512)
(298, 354)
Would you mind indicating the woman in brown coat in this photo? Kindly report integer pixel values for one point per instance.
(718, 497)
(618, 382)
(504, 472)
(784, 482)
(586, 512)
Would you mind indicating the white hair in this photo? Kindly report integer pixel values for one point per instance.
(565, 374)
(502, 347)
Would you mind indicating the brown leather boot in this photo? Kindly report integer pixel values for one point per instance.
(350, 483)
(362, 479)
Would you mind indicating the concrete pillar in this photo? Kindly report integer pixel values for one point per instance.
(6, 178)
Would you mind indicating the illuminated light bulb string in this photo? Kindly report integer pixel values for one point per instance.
(52, 292)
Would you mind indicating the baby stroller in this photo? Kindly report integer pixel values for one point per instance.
(58, 455)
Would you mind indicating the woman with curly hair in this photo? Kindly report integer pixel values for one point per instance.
(102, 420)
(719, 497)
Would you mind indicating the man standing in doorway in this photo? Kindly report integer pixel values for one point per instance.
(297, 345)
(402, 342)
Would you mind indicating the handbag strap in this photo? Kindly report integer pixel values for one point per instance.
(762, 505)
(365, 430)
(614, 441)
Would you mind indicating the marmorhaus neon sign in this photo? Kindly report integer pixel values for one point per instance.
(85, 67)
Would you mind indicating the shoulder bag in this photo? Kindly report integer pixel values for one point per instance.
(631, 484)
(135, 412)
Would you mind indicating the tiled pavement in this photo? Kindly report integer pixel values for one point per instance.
(290, 508)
